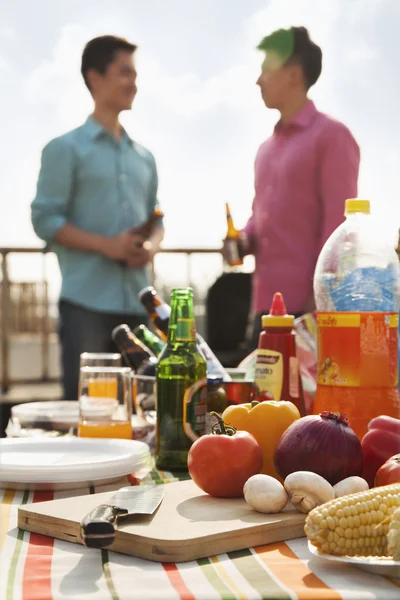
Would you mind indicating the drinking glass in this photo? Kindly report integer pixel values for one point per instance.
(101, 387)
(105, 402)
(100, 359)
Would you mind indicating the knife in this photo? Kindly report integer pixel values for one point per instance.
(97, 528)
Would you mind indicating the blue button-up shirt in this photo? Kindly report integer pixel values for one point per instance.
(103, 186)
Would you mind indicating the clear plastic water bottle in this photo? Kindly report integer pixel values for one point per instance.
(357, 269)
(357, 294)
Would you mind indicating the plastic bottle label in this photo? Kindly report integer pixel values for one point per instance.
(194, 409)
(358, 349)
(269, 372)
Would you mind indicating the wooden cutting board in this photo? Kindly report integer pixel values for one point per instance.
(188, 525)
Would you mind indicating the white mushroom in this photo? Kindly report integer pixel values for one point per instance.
(350, 485)
(308, 490)
(265, 494)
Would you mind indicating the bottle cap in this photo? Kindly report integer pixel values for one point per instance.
(146, 290)
(214, 379)
(278, 316)
(356, 205)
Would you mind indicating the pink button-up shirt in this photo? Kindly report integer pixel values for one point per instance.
(303, 175)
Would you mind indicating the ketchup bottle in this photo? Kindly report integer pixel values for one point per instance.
(277, 373)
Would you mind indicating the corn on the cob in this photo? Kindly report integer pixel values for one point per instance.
(354, 525)
(394, 536)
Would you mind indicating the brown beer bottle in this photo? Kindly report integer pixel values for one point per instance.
(146, 228)
(159, 311)
(135, 354)
(234, 247)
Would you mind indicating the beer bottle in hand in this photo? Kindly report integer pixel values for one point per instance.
(135, 354)
(149, 339)
(181, 386)
(234, 246)
(146, 228)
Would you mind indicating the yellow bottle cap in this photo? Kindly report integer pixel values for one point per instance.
(355, 205)
(278, 316)
(271, 321)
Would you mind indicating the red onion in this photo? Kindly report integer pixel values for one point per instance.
(323, 444)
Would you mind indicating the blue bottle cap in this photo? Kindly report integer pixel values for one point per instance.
(214, 379)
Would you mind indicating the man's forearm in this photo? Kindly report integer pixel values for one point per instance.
(79, 239)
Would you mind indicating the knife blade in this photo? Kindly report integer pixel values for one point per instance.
(97, 528)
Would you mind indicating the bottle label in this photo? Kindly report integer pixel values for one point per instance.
(358, 349)
(233, 254)
(194, 409)
(163, 311)
(294, 391)
(185, 330)
(269, 372)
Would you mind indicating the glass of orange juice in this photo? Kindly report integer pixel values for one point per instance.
(101, 387)
(105, 402)
(100, 359)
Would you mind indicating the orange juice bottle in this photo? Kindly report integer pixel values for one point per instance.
(356, 288)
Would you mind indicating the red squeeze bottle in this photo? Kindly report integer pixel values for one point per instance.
(277, 373)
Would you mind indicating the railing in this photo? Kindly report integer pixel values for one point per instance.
(24, 307)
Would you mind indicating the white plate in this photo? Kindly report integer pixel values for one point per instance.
(59, 411)
(372, 564)
(58, 463)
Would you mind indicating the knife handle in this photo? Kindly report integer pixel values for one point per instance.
(98, 527)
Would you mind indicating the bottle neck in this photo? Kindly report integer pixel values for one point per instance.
(133, 351)
(232, 232)
(152, 341)
(135, 357)
(159, 313)
(182, 326)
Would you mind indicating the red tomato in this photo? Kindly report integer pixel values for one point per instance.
(389, 472)
(221, 464)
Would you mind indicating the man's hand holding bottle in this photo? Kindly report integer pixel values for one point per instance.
(235, 245)
(129, 248)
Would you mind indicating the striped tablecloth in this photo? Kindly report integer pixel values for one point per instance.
(35, 567)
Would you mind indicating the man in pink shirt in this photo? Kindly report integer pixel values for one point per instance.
(303, 174)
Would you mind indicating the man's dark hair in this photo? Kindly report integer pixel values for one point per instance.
(294, 46)
(100, 52)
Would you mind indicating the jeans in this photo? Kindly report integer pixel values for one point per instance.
(84, 330)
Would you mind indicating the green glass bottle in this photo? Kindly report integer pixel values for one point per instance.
(181, 386)
(149, 339)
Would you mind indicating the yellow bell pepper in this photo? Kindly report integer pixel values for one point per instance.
(266, 421)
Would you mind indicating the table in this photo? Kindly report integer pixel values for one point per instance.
(35, 567)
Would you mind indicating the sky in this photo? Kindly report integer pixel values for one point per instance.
(198, 108)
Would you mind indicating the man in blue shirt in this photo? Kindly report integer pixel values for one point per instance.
(95, 186)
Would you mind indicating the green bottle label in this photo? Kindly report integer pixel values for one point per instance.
(194, 409)
(185, 330)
